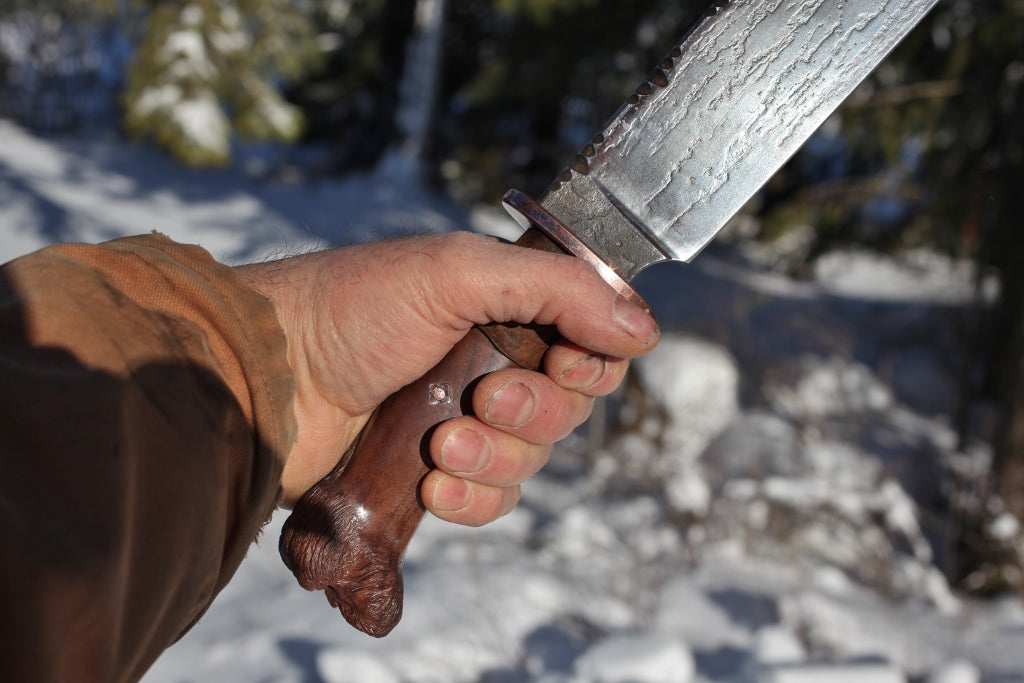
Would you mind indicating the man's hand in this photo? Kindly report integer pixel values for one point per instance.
(364, 321)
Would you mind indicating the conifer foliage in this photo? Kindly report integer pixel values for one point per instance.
(209, 69)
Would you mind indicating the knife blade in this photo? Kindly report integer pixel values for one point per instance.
(725, 109)
(729, 105)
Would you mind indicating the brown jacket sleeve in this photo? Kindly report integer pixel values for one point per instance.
(145, 416)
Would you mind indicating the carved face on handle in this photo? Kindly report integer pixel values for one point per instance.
(329, 551)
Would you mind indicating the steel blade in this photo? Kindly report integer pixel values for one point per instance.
(719, 116)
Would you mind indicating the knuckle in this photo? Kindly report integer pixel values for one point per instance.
(456, 242)
(488, 504)
(581, 271)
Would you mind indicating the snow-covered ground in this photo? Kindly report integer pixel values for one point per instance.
(749, 511)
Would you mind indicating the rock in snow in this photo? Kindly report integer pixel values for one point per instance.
(697, 383)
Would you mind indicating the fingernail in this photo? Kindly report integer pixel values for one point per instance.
(464, 451)
(584, 374)
(450, 494)
(638, 324)
(511, 406)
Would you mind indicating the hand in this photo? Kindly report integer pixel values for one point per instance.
(364, 321)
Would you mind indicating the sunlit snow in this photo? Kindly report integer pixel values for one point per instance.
(750, 512)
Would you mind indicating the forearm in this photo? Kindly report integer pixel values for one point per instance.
(147, 411)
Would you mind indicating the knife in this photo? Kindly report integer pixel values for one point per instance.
(725, 109)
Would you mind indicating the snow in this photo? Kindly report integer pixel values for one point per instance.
(637, 659)
(920, 274)
(351, 666)
(183, 54)
(957, 671)
(854, 673)
(201, 120)
(751, 511)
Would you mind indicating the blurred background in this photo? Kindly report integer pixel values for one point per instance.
(890, 242)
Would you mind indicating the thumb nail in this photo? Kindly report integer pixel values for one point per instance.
(634, 321)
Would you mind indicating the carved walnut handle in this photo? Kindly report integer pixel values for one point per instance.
(348, 534)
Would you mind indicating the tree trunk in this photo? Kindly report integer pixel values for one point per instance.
(418, 92)
(1008, 446)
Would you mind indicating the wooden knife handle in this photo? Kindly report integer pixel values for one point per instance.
(348, 534)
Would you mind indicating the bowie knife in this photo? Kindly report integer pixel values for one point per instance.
(728, 106)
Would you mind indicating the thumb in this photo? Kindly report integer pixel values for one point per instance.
(486, 280)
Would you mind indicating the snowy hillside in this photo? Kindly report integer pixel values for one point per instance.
(750, 510)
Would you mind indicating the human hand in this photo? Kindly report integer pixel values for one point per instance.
(364, 321)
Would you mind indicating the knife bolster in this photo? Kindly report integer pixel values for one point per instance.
(529, 213)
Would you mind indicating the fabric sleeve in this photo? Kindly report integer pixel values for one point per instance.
(145, 418)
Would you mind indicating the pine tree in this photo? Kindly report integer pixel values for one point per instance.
(209, 69)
